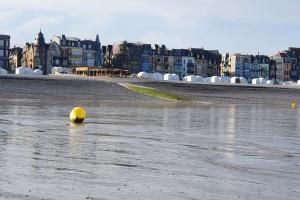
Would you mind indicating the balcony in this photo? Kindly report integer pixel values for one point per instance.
(4, 58)
(4, 47)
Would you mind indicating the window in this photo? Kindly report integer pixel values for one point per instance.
(91, 62)
(6, 43)
(84, 46)
(1, 42)
(1, 53)
(91, 55)
(76, 52)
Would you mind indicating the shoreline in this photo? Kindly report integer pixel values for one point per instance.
(68, 89)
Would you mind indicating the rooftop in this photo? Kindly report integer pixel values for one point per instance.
(5, 36)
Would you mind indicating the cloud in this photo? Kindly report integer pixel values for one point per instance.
(36, 24)
(209, 23)
(8, 15)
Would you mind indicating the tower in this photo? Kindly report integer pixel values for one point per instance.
(99, 58)
(40, 53)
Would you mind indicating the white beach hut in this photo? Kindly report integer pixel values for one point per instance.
(3, 71)
(57, 70)
(156, 76)
(191, 79)
(206, 80)
(175, 77)
(200, 79)
(171, 77)
(255, 81)
(38, 72)
(234, 80)
(143, 75)
(262, 81)
(270, 82)
(29, 72)
(21, 71)
(215, 79)
(225, 80)
(168, 77)
(243, 80)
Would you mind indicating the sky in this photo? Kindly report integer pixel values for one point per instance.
(233, 26)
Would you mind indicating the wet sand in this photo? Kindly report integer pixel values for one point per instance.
(208, 152)
(61, 90)
(78, 90)
(136, 147)
(230, 94)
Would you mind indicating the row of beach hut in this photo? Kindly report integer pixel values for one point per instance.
(200, 79)
(158, 76)
(28, 71)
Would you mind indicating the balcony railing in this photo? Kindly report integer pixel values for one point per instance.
(4, 47)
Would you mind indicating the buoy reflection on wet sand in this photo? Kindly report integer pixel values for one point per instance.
(294, 105)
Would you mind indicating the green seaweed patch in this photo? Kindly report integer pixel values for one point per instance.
(152, 92)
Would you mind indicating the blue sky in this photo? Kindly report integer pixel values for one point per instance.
(246, 26)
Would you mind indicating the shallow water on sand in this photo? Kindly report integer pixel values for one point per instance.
(150, 152)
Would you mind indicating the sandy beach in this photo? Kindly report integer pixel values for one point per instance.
(82, 90)
(244, 144)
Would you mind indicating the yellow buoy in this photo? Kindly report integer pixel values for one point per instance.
(294, 105)
(77, 115)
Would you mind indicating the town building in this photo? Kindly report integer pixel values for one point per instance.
(35, 54)
(188, 62)
(71, 47)
(57, 56)
(284, 61)
(62, 52)
(241, 65)
(162, 60)
(206, 62)
(273, 71)
(107, 56)
(260, 67)
(225, 68)
(15, 58)
(76, 52)
(4, 51)
(178, 66)
(295, 73)
(127, 56)
(147, 58)
(137, 57)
